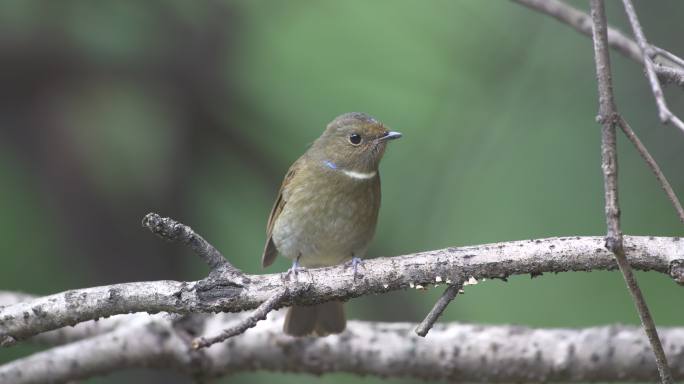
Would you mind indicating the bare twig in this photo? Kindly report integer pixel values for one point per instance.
(172, 230)
(581, 22)
(607, 117)
(614, 241)
(455, 353)
(233, 293)
(666, 116)
(668, 55)
(641, 148)
(449, 294)
(248, 322)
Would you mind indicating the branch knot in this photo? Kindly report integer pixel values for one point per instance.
(677, 271)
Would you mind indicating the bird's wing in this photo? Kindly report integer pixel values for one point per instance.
(270, 251)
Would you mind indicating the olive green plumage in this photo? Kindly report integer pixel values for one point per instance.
(327, 209)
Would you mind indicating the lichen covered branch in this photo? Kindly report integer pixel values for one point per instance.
(234, 293)
(453, 353)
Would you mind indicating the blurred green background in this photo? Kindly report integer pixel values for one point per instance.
(195, 110)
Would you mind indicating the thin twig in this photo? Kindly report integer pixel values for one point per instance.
(249, 322)
(668, 55)
(172, 230)
(653, 165)
(666, 116)
(614, 242)
(449, 294)
(581, 22)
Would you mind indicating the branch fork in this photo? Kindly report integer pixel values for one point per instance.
(647, 52)
(228, 289)
(610, 118)
(222, 273)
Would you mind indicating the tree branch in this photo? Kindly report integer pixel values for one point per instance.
(608, 117)
(172, 230)
(9, 298)
(669, 75)
(449, 295)
(234, 293)
(249, 322)
(581, 22)
(92, 328)
(666, 116)
(653, 165)
(149, 344)
(623, 44)
(454, 352)
(667, 55)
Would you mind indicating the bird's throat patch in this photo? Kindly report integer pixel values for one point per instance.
(353, 174)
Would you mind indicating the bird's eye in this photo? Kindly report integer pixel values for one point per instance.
(355, 139)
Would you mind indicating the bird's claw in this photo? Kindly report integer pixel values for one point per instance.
(354, 264)
(294, 270)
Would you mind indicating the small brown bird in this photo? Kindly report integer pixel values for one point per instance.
(327, 209)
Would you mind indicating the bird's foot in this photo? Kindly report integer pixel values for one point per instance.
(354, 264)
(294, 270)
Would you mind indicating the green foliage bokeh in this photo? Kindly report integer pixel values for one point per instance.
(496, 104)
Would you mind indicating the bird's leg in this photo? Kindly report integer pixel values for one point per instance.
(295, 269)
(354, 263)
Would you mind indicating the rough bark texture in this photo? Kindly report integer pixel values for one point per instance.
(451, 352)
(457, 353)
(233, 293)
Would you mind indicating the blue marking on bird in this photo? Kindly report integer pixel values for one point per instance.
(330, 164)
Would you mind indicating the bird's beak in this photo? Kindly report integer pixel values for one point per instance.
(390, 135)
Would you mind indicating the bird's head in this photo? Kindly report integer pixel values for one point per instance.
(353, 141)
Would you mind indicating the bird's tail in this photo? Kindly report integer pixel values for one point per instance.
(317, 320)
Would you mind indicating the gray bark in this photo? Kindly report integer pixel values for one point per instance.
(451, 352)
(233, 293)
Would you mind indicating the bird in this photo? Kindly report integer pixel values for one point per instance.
(326, 211)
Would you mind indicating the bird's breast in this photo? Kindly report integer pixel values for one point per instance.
(327, 220)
